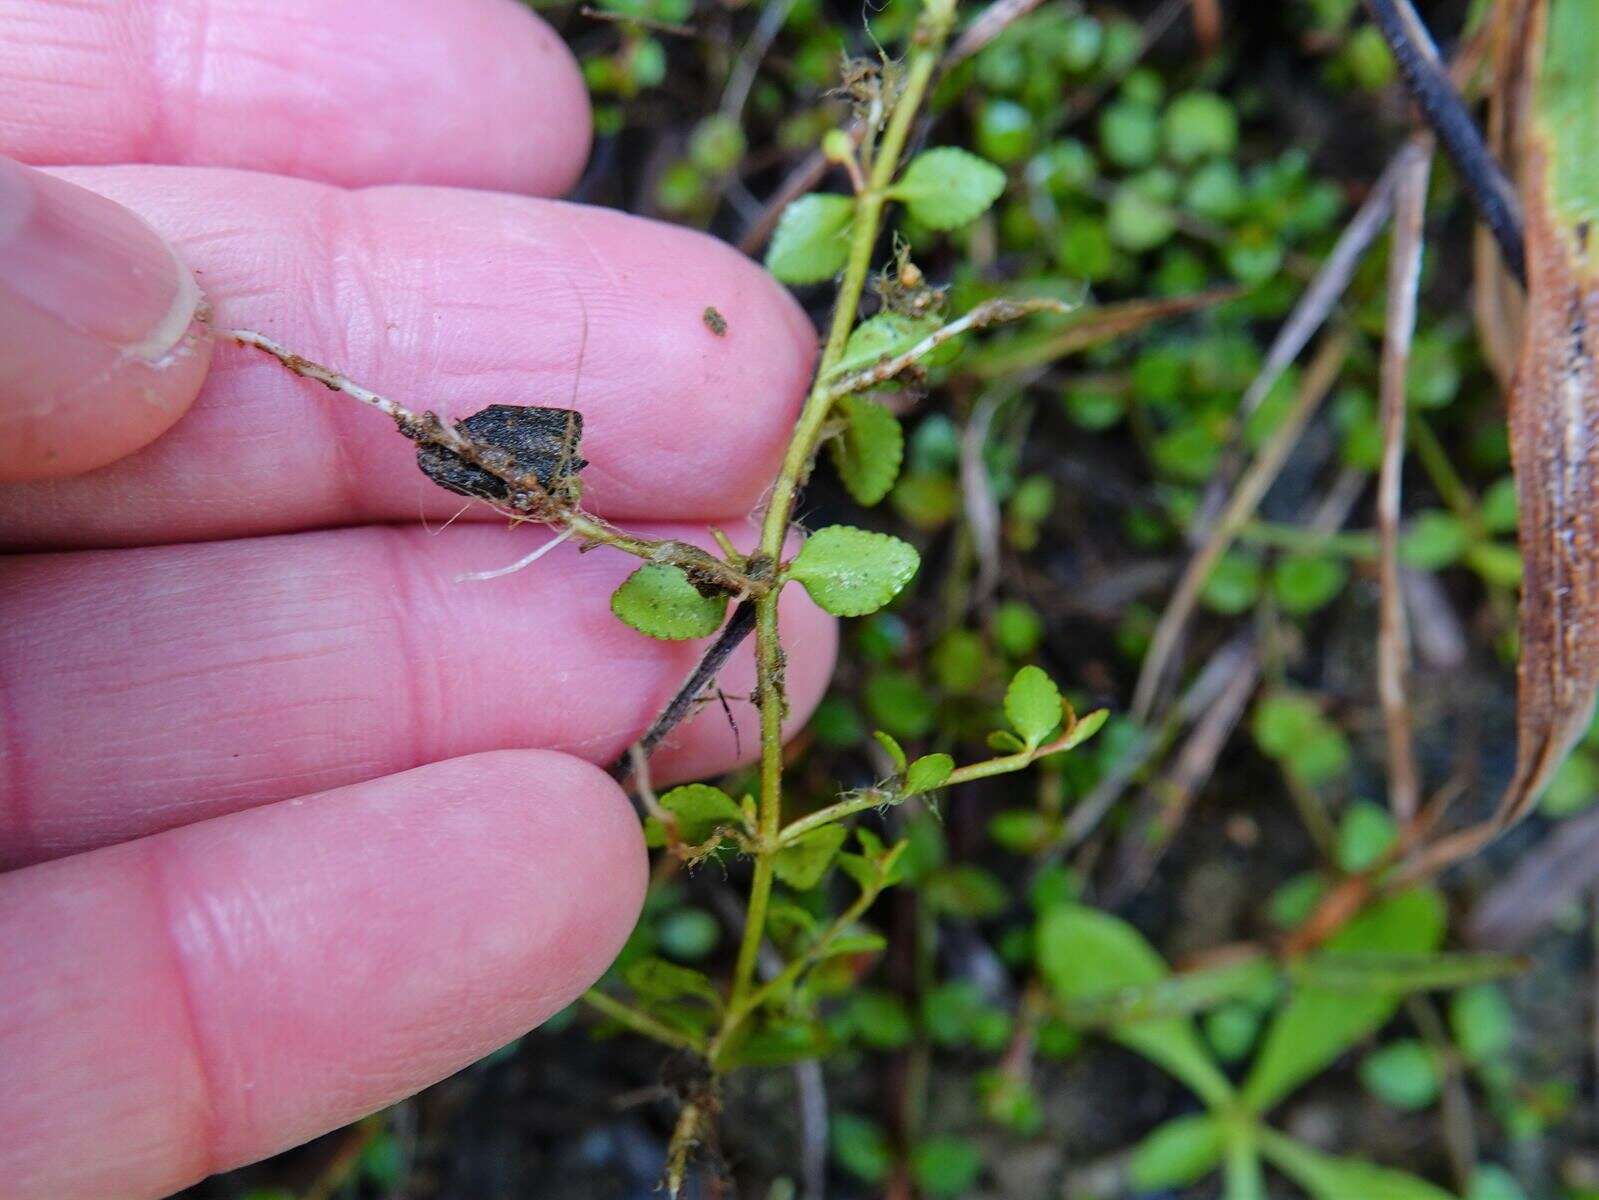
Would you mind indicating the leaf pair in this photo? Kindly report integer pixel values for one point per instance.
(942, 189)
(848, 572)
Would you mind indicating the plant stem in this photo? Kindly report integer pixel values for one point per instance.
(738, 1010)
(1446, 481)
(860, 802)
(1303, 539)
(639, 1022)
(931, 33)
(881, 798)
(561, 513)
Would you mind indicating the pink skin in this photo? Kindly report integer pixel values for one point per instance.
(286, 957)
(452, 300)
(197, 999)
(352, 92)
(150, 688)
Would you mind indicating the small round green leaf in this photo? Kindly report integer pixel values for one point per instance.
(869, 451)
(811, 242)
(861, 1147)
(880, 337)
(700, 809)
(928, 773)
(1033, 704)
(1402, 1074)
(1483, 1023)
(1434, 540)
(1491, 1182)
(1303, 583)
(802, 863)
(946, 1166)
(1199, 125)
(1365, 834)
(851, 572)
(659, 600)
(947, 187)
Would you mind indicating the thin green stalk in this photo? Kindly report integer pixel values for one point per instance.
(1354, 543)
(639, 1022)
(878, 798)
(860, 802)
(1443, 476)
(738, 1011)
(930, 36)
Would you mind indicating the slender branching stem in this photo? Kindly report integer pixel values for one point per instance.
(990, 312)
(932, 32)
(854, 803)
(641, 1023)
(739, 1009)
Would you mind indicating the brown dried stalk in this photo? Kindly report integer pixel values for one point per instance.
(1393, 637)
(1319, 378)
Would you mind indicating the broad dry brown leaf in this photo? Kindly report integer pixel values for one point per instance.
(1554, 406)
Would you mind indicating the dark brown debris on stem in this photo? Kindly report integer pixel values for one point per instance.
(704, 674)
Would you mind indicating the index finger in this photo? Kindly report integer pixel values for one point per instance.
(474, 93)
(447, 300)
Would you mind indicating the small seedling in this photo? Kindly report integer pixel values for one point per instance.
(526, 462)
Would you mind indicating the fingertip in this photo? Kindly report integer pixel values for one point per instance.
(719, 330)
(474, 93)
(198, 999)
(104, 340)
(585, 809)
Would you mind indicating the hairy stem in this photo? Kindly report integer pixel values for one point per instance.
(562, 512)
(931, 33)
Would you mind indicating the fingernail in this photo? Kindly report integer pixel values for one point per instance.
(91, 264)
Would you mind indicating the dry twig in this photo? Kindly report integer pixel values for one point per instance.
(1308, 315)
(1319, 378)
(1393, 639)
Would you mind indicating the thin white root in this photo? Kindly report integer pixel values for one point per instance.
(519, 564)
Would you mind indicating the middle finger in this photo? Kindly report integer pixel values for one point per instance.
(144, 689)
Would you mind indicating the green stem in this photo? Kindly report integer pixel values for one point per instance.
(738, 1011)
(1354, 543)
(871, 798)
(689, 557)
(1443, 476)
(639, 1022)
(930, 36)
(877, 798)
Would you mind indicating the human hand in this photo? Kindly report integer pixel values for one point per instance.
(299, 823)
